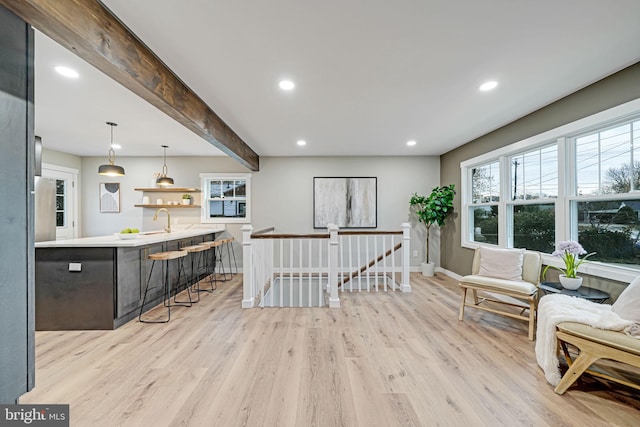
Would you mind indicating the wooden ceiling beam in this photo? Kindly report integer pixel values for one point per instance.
(90, 31)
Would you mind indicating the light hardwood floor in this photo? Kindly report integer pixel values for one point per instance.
(381, 360)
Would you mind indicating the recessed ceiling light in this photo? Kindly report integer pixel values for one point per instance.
(116, 146)
(67, 72)
(488, 85)
(286, 85)
(301, 142)
(411, 143)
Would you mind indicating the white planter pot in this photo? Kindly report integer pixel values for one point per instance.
(428, 268)
(186, 201)
(570, 283)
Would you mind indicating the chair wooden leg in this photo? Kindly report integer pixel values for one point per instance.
(475, 297)
(464, 297)
(577, 368)
(565, 350)
(532, 320)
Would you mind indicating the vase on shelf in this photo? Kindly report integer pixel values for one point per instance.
(571, 283)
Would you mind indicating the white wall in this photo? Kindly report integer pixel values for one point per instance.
(282, 191)
(61, 159)
(139, 173)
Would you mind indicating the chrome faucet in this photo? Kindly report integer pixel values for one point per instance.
(168, 227)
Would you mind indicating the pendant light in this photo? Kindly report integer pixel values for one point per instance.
(111, 169)
(164, 180)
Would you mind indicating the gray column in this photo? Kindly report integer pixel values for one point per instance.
(16, 208)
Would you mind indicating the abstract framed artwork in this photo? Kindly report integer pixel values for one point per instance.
(109, 197)
(348, 202)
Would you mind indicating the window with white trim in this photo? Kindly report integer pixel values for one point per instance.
(577, 182)
(483, 210)
(604, 159)
(226, 198)
(534, 188)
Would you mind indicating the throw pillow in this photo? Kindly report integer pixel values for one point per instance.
(627, 305)
(501, 263)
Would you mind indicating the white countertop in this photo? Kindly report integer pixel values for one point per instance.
(144, 238)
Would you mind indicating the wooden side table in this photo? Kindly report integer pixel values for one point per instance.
(591, 294)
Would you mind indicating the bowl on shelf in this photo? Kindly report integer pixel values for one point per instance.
(127, 236)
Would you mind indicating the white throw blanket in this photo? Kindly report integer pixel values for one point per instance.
(558, 308)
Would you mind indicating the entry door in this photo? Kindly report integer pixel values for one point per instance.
(66, 195)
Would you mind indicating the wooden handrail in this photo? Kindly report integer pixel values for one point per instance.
(260, 234)
(371, 263)
(291, 236)
(365, 233)
(263, 231)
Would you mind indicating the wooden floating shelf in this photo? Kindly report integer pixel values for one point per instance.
(169, 190)
(168, 206)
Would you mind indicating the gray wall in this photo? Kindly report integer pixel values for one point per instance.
(614, 90)
(282, 191)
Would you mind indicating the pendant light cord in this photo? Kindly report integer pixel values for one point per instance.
(112, 153)
(164, 165)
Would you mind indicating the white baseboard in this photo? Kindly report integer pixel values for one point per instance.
(448, 273)
(438, 270)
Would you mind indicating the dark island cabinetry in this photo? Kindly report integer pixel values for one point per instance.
(81, 288)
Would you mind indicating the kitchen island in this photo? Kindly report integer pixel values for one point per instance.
(99, 282)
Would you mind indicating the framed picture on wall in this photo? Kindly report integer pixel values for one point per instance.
(346, 202)
(109, 197)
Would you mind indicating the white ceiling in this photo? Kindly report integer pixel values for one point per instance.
(71, 114)
(369, 74)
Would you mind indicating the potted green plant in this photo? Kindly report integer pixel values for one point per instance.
(570, 252)
(186, 199)
(432, 210)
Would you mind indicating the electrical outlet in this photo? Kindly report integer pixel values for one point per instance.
(415, 254)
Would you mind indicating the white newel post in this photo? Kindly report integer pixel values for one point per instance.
(406, 241)
(334, 300)
(247, 267)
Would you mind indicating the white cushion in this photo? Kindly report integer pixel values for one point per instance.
(498, 285)
(627, 305)
(501, 263)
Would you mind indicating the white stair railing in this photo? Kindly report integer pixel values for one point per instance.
(256, 261)
(295, 270)
(285, 270)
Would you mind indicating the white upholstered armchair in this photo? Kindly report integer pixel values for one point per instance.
(511, 272)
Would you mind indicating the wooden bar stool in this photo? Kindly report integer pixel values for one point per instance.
(230, 251)
(166, 257)
(218, 259)
(199, 268)
(210, 265)
(215, 255)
